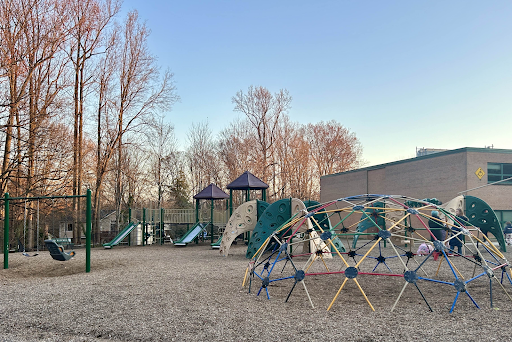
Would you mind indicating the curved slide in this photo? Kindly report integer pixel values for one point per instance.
(243, 220)
(127, 230)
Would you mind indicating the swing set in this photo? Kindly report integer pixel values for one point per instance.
(7, 200)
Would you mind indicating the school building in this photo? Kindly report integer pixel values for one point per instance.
(444, 175)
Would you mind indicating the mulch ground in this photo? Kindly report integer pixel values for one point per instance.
(166, 293)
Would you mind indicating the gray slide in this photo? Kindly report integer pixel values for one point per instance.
(191, 234)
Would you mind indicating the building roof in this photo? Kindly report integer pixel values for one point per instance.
(212, 192)
(247, 181)
(432, 155)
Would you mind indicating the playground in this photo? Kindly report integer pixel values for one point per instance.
(163, 293)
(345, 269)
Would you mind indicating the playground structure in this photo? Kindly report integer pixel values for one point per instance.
(154, 225)
(278, 254)
(243, 220)
(259, 219)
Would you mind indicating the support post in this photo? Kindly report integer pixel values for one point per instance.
(129, 221)
(247, 195)
(230, 202)
(161, 226)
(264, 195)
(6, 231)
(143, 226)
(197, 210)
(211, 219)
(88, 232)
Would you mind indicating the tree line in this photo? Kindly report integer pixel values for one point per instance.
(83, 105)
(288, 156)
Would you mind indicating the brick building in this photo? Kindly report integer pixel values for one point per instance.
(442, 175)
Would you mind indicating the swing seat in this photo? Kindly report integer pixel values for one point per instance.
(57, 251)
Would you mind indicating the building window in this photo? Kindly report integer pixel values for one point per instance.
(499, 171)
(503, 216)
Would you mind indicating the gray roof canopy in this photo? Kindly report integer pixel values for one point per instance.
(211, 192)
(247, 181)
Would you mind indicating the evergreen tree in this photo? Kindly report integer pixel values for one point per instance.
(179, 192)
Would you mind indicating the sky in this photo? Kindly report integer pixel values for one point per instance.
(400, 75)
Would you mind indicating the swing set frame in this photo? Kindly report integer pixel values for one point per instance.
(88, 223)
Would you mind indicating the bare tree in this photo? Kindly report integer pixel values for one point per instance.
(235, 148)
(264, 111)
(130, 94)
(333, 147)
(203, 165)
(105, 123)
(162, 149)
(31, 34)
(88, 21)
(34, 35)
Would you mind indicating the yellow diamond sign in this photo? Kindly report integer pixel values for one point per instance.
(480, 173)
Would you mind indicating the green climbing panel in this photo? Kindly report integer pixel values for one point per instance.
(323, 221)
(272, 218)
(369, 218)
(261, 206)
(481, 215)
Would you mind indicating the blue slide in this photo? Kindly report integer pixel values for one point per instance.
(191, 234)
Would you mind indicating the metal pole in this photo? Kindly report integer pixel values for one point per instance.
(264, 195)
(211, 223)
(482, 186)
(197, 210)
(143, 226)
(161, 226)
(88, 230)
(230, 202)
(6, 231)
(129, 222)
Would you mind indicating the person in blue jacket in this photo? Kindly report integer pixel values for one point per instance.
(457, 241)
(507, 230)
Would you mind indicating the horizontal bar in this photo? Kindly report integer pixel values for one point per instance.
(41, 197)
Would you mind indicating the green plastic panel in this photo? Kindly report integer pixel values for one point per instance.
(272, 218)
(323, 220)
(375, 215)
(481, 215)
(261, 207)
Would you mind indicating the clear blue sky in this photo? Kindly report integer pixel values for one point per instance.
(400, 74)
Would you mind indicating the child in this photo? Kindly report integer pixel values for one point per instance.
(507, 230)
(457, 241)
(424, 249)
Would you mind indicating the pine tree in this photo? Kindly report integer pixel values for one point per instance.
(179, 192)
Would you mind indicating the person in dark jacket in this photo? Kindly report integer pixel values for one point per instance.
(437, 227)
(507, 230)
(457, 241)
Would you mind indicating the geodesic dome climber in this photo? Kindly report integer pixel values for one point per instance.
(385, 231)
